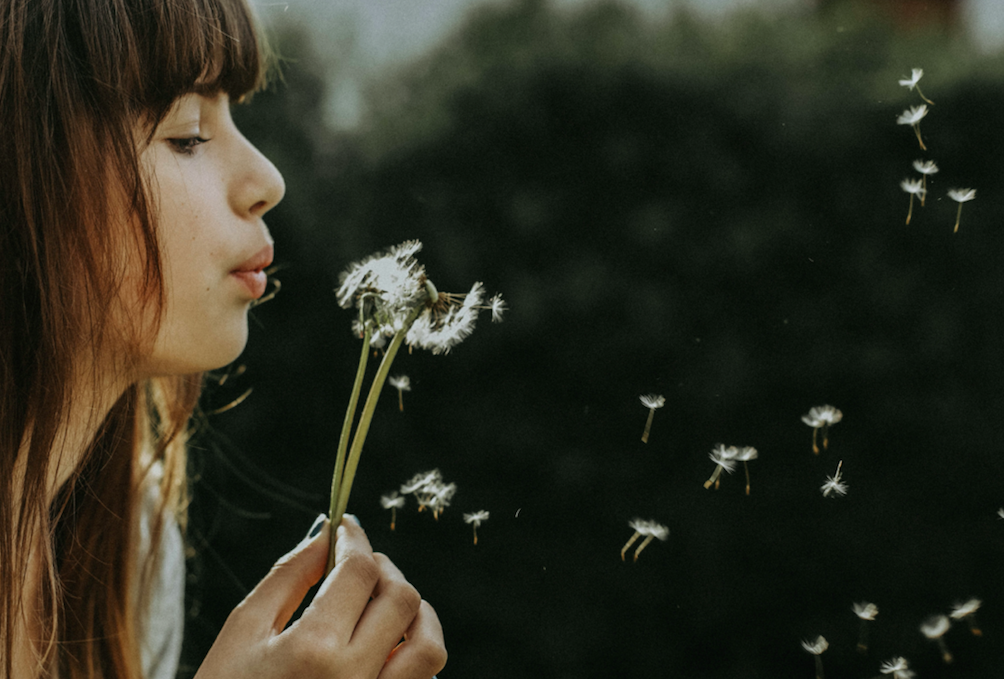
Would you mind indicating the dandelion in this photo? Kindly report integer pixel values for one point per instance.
(402, 383)
(967, 611)
(934, 628)
(912, 117)
(914, 187)
(1000, 513)
(392, 501)
(816, 648)
(960, 196)
(396, 303)
(650, 530)
(924, 167)
(744, 455)
(898, 667)
(652, 402)
(822, 417)
(866, 611)
(724, 458)
(911, 83)
(833, 484)
(475, 520)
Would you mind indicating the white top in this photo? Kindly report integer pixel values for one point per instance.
(161, 630)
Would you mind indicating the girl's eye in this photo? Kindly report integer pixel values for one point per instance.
(186, 145)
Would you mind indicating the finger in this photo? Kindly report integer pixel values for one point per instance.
(280, 592)
(345, 592)
(389, 615)
(423, 654)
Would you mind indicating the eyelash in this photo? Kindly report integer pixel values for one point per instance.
(186, 146)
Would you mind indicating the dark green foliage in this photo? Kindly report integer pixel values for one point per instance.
(713, 214)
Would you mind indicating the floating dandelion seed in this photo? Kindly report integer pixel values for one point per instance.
(960, 196)
(650, 530)
(924, 167)
(816, 648)
(934, 628)
(833, 484)
(967, 611)
(915, 187)
(822, 417)
(392, 501)
(430, 492)
(724, 458)
(898, 667)
(866, 611)
(744, 455)
(912, 117)
(911, 83)
(652, 402)
(498, 308)
(1000, 513)
(402, 383)
(475, 520)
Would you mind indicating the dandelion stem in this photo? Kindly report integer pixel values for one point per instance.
(819, 667)
(648, 425)
(747, 468)
(629, 543)
(826, 437)
(643, 545)
(863, 637)
(923, 195)
(393, 517)
(958, 218)
(815, 448)
(343, 440)
(400, 400)
(922, 95)
(475, 533)
(909, 213)
(714, 477)
(946, 655)
(364, 421)
(916, 130)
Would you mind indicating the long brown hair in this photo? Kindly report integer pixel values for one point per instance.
(76, 76)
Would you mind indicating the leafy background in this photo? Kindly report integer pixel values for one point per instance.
(709, 212)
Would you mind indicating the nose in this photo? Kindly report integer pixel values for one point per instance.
(259, 186)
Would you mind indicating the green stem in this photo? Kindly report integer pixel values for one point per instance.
(343, 441)
(364, 420)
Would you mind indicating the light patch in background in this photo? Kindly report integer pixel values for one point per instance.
(356, 39)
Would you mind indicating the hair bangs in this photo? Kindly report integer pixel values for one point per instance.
(198, 45)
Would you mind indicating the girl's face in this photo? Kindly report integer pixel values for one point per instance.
(211, 188)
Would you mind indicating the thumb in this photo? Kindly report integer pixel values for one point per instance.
(281, 591)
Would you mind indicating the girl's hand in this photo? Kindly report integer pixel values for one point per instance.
(351, 630)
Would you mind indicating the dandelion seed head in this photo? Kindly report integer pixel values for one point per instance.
(650, 528)
(476, 517)
(421, 480)
(898, 667)
(724, 457)
(822, 415)
(385, 287)
(962, 610)
(962, 195)
(935, 626)
(925, 166)
(817, 646)
(653, 400)
(913, 115)
(914, 186)
(392, 500)
(866, 610)
(402, 382)
(915, 76)
(498, 307)
(833, 485)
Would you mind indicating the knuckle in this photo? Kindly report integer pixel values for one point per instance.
(406, 598)
(361, 566)
(431, 656)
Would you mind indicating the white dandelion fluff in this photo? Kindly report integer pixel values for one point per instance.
(650, 530)
(652, 402)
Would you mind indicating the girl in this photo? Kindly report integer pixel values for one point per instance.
(131, 247)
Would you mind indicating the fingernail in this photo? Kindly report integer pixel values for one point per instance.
(354, 518)
(318, 525)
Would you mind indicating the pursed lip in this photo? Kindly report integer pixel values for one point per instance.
(251, 274)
